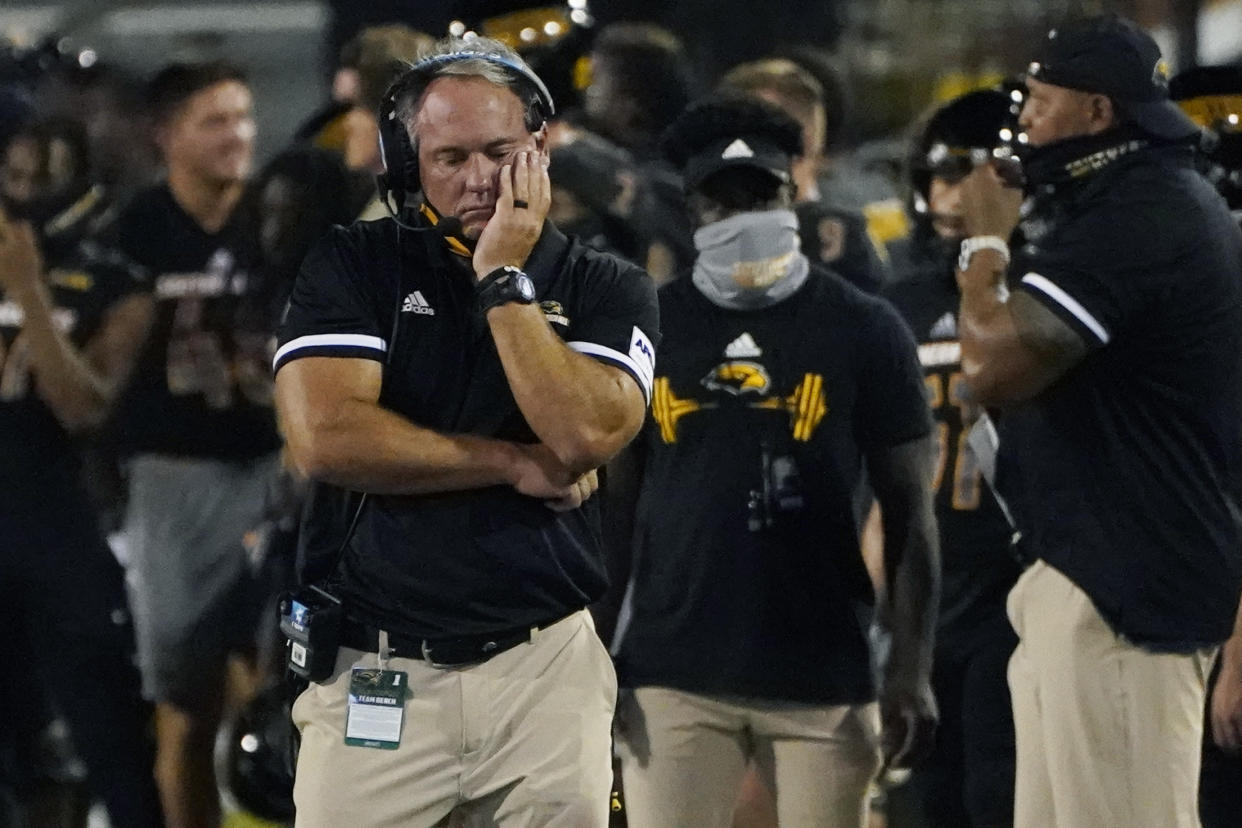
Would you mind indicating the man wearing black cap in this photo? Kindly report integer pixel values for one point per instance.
(744, 638)
(1112, 340)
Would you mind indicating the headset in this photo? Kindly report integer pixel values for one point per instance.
(400, 157)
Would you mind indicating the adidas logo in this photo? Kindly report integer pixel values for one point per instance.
(944, 328)
(744, 347)
(415, 303)
(738, 149)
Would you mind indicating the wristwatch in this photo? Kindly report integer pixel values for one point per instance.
(503, 285)
(974, 244)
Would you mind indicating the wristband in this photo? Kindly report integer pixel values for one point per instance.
(974, 244)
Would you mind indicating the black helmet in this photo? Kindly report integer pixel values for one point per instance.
(967, 131)
(259, 759)
(975, 128)
(1212, 97)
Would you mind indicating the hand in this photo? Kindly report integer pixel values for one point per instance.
(539, 473)
(908, 718)
(512, 230)
(580, 492)
(21, 265)
(1226, 707)
(990, 207)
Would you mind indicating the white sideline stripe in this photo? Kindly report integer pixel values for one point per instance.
(330, 340)
(591, 349)
(1069, 303)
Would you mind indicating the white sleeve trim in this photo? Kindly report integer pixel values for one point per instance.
(645, 377)
(330, 341)
(1068, 302)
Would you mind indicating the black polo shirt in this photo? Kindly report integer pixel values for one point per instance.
(978, 566)
(480, 561)
(1121, 473)
(748, 579)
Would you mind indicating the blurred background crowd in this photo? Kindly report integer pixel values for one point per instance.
(86, 128)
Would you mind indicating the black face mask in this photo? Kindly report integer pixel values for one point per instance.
(1074, 159)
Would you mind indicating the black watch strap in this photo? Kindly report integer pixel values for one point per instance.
(504, 284)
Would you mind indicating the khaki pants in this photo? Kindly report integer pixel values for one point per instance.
(1108, 734)
(520, 740)
(683, 756)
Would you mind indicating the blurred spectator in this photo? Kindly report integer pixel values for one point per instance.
(831, 236)
(107, 102)
(197, 422)
(611, 186)
(370, 62)
(72, 317)
(299, 196)
(744, 637)
(641, 80)
(845, 181)
(968, 779)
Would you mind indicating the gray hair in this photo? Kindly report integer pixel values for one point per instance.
(408, 93)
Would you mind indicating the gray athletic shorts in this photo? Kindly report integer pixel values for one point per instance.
(194, 593)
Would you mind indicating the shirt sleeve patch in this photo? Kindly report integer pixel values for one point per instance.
(642, 369)
(1046, 288)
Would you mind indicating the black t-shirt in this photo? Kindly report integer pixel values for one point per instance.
(479, 561)
(41, 466)
(202, 387)
(1121, 473)
(748, 578)
(978, 566)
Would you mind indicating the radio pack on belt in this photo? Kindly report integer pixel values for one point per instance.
(310, 619)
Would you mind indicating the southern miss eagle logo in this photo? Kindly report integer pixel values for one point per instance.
(738, 378)
(806, 405)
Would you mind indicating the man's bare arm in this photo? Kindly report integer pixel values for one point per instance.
(901, 476)
(1013, 347)
(338, 433)
(79, 386)
(582, 409)
(1226, 707)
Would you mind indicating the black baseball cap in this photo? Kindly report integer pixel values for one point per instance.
(1113, 56)
(740, 150)
(727, 130)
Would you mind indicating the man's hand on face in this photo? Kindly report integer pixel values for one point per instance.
(989, 206)
(522, 204)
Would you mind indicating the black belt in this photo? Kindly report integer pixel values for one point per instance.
(438, 652)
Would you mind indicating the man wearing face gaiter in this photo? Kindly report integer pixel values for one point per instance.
(744, 634)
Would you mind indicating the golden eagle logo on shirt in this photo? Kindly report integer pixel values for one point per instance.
(806, 404)
(738, 378)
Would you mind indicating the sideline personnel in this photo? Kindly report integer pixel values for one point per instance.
(745, 637)
(469, 374)
(1112, 341)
